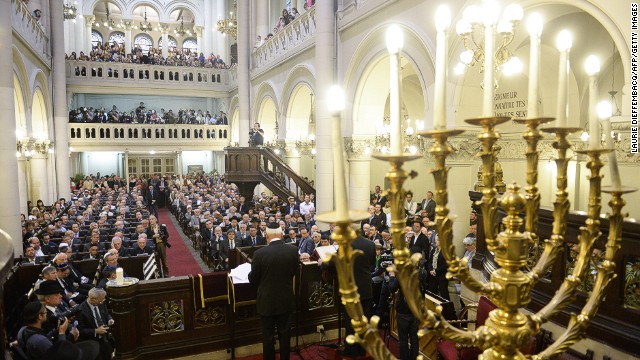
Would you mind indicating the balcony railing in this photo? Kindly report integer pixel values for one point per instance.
(32, 33)
(298, 32)
(113, 74)
(84, 136)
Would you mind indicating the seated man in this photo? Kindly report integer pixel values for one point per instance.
(32, 340)
(141, 247)
(94, 321)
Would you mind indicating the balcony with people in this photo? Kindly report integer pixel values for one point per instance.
(29, 24)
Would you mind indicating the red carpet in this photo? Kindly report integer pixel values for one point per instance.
(179, 258)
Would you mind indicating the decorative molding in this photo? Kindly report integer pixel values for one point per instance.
(122, 306)
(210, 316)
(321, 295)
(356, 148)
(166, 317)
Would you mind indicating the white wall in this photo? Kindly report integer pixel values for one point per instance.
(130, 103)
(105, 162)
(204, 158)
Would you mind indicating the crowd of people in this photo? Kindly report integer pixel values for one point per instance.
(115, 52)
(143, 115)
(284, 20)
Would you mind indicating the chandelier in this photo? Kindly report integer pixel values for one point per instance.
(229, 25)
(412, 141)
(69, 11)
(28, 147)
(181, 31)
(477, 24)
(145, 26)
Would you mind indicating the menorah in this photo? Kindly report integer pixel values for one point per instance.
(508, 327)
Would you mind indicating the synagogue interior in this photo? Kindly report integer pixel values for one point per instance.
(456, 179)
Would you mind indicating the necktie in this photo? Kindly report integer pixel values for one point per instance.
(253, 240)
(96, 314)
(233, 244)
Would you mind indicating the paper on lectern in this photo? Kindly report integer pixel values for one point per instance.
(240, 274)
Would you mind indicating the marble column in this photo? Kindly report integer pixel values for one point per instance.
(126, 168)
(39, 179)
(88, 25)
(198, 31)
(325, 22)
(262, 18)
(165, 40)
(359, 173)
(244, 63)
(60, 113)
(209, 29)
(128, 40)
(23, 187)
(78, 27)
(221, 47)
(180, 166)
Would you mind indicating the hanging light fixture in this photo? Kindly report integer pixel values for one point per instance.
(145, 26)
(181, 31)
(69, 10)
(229, 25)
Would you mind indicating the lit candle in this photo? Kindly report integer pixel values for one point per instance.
(563, 42)
(119, 276)
(490, 12)
(592, 67)
(534, 27)
(395, 41)
(443, 20)
(604, 112)
(335, 104)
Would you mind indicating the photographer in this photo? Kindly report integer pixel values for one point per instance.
(256, 135)
(94, 321)
(33, 343)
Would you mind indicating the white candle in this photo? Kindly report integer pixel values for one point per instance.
(487, 103)
(604, 112)
(534, 27)
(395, 41)
(442, 20)
(564, 42)
(592, 67)
(119, 276)
(335, 102)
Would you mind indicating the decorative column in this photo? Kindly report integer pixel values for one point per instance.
(198, 31)
(209, 29)
(39, 178)
(359, 157)
(78, 27)
(128, 41)
(23, 187)
(126, 168)
(88, 24)
(10, 209)
(325, 24)
(221, 47)
(180, 171)
(60, 113)
(262, 18)
(244, 62)
(164, 28)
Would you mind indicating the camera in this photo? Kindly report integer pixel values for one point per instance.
(68, 313)
(386, 260)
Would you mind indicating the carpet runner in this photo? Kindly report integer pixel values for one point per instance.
(179, 258)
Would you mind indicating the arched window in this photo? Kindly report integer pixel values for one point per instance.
(144, 42)
(173, 44)
(191, 44)
(96, 38)
(117, 37)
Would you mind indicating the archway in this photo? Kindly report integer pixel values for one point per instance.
(39, 125)
(268, 117)
(299, 123)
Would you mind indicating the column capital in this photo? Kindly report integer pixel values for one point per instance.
(164, 28)
(128, 24)
(89, 20)
(198, 30)
(359, 148)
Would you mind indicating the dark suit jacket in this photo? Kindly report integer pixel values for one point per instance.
(363, 266)
(441, 268)
(430, 207)
(272, 271)
(420, 244)
(164, 234)
(287, 209)
(87, 322)
(135, 251)
(206, 235)
(152, 196)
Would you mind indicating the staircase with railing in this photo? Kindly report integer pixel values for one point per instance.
(249, 166)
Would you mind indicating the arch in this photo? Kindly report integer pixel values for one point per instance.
(117, 36)
(134, 5)
(88, 7)
(173, 43)
(300, 75)
(367, 79)
(20, 106)
(144, 41)
(268, 114)
(266, 89)
(39, 124)
(176, 5)
(191, 44)
(96, 38)
(20, 73)
(299, 113)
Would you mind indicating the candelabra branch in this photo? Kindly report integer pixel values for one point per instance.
(605, 273)
(561, 205)
(489, 203)
(588, 236)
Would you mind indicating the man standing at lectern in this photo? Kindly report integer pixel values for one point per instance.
(272, 272)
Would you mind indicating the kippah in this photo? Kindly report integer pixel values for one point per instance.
(273, 225)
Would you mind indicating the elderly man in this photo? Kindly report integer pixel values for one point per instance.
(116, 244)
(469, 249)
(160, 235)
(94, 322)
(141, 247)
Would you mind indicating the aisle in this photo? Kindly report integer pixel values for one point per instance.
(179, 257)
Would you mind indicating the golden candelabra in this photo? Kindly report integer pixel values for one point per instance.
(508, 328)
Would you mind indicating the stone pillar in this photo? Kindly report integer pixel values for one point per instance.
(88, 25)
(359, 173)
(198, 31)
(78, 26)
(70, 38)
(23, 187)
(39, 179)
(165, 40)
(325, 76)
(221, 47)
(244, 62)
(126, 168)
(128, 40)
(262, 18)
(209, 28)
(180, 169)
(60, 114)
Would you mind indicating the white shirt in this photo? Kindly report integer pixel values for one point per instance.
(304, 208)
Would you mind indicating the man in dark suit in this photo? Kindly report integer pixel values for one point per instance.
(152, 200)
(429, 205)
(272, 272)
(255, 239)
(141, 247)
(159, 235)
(437, 267)
(292, 206)
(163, 189)
(94, 322)
(420, 242)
